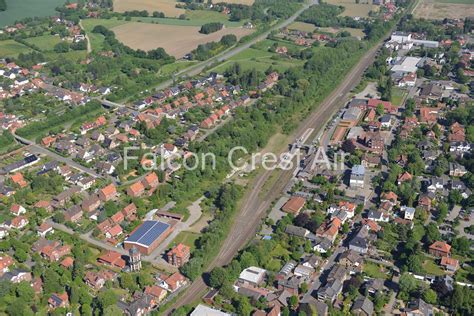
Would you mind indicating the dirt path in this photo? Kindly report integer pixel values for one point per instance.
(89, 46)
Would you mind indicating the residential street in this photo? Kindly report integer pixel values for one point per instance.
(254, 207)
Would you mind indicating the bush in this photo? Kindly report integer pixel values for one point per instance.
(212, 27)
(62, 47)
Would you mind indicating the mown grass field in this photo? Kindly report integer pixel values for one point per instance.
(20, 9)
(187, 238)
(258, 57)
(374, 271)
(45, 42)
(353, 9)
(302, 26)
(195, 18)
(11, 48)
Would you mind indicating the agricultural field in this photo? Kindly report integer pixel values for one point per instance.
(353, 9)
(176, 40)
(45, 42)
(441, 9)
(11, 48)
(168, 7)
(20, 9)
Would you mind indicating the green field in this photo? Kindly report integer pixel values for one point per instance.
(45, 42)
(430, 267)
(98, 39)
(187, 238)
(258, 57)
(73, 55)
(193, 18)
(20, 9)
(10, 48)
(374, 271)
(302, 26)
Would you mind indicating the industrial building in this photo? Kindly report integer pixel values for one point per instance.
(148, 236)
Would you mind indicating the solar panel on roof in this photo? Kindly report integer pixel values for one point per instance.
(148, 232)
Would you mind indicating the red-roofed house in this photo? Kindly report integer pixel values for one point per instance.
(450, 264)
(175, 281)
(404, 177)
(440, 249)
(136, 190)
(18, 179)
(294, 205)
(108, 193)
(130, 212)
(179, 255)
(151, 181)
(388, 107)
(113, 232)
(113, 259)
(17, 209)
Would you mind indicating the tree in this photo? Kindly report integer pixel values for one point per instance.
(106, 298)
(430, 296)
(62, 47)
(127, 282)
(242, 306)
(380, 110)
(217, 277)
(432, 233)
(293, 302)
(112, 310)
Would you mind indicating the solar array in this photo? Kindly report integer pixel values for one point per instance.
(148, 232)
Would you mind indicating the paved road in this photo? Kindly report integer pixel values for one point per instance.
(87, 237)
(197, 69)
(254, 207)
(37, 149)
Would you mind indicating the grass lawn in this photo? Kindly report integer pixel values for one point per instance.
(432, 268)
(45, 42)
(187, 238)
(302, 26)
(169, 69)
(259, 59)
(11, 48)
(375, 271)
(73, 55)
(398, 96)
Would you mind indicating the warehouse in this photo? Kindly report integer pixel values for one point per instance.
(148, 236)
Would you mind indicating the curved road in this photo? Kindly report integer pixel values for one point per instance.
(254, 207)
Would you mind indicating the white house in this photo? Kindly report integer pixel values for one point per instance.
(409, 212)
(357, 176)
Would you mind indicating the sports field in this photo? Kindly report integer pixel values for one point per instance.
(10, 48)
(353, 9)
(168, 7)
(176, 40)
(441, 9)
(20, 9)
